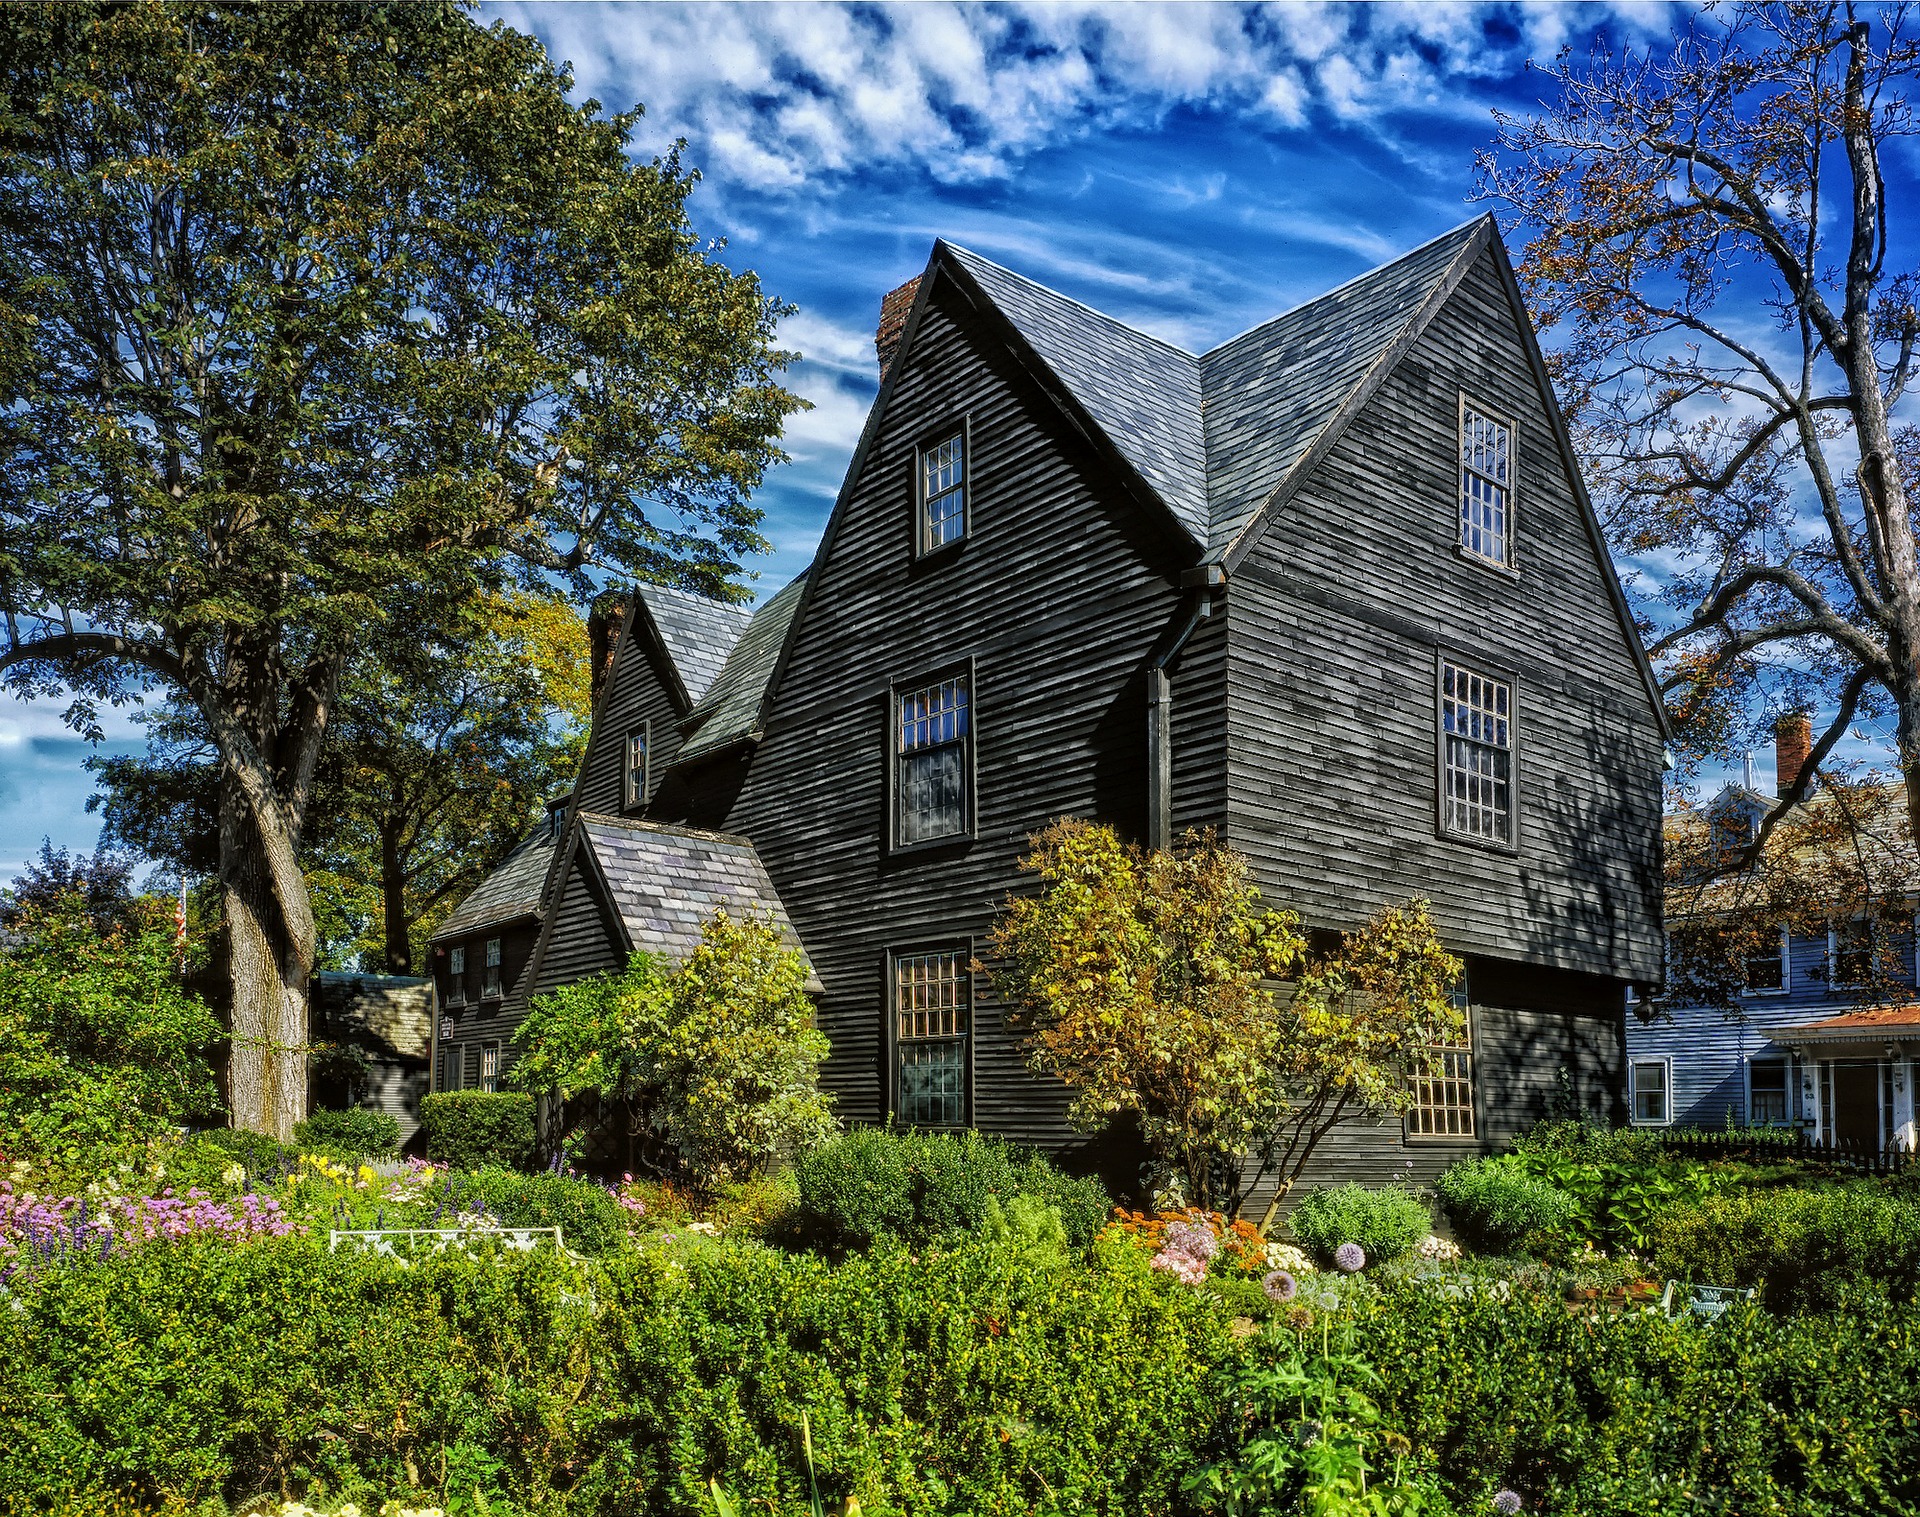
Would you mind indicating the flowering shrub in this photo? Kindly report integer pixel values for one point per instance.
(1186, 1249)
(1238, 1245)
(37, 1229)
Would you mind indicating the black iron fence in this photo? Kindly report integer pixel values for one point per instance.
(1786, 1145)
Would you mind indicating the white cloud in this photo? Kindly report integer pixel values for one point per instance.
(776, 96)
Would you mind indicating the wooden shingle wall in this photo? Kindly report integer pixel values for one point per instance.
(1336, 620)
(1058, 597)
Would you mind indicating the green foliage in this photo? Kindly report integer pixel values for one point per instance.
(1310, 1440)
(356, 1132)
(1624, 1414)
(1026, 1225)
(1497, 1204)
(1619, 1179)
(716, 1062)
(471, 1129)
(99, 1040)
(963, 1382)
(1807, 1249)
(875, 1186)
(1386, 1222)
(589, 1218)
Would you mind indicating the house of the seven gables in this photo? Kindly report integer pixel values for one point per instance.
(1333, 589)
(1819, 1030)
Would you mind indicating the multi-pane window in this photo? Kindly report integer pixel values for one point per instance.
(456, 976)
(1650, 1082)
(1766, 966)
(635, 787)
(1850, 951)
(930, 995)
(490, 981)
(1486, 487)
(932, 728)
(1476, 723)
(489, 1066)
(943, 493)
(1442, 1093)
(1767, 1092)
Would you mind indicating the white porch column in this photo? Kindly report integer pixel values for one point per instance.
(1903, 1122)
(1810, 1097)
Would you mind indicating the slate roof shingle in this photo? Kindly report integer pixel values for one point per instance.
(665, 881)
(510, 891)
(698, 632)
(1214, 435)
(731, 707)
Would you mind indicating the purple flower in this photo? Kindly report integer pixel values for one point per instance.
(1280, 1285)
(1506, 1503)
(1351, 1258)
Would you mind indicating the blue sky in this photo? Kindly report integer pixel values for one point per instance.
(1190, 169)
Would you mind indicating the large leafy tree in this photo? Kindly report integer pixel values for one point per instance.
(1144, 979)
(314, 323)
(1712, 253)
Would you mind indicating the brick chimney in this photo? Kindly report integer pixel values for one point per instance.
(1792, 746)
(893, 321)
(603, 640)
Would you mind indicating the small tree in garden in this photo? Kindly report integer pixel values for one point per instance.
(713, 1066)
(1137, 976)
(99, 1040)
(1353, 1037)
(1141, 977)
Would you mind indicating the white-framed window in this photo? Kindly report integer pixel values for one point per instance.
(933, 1026)
(1767, 972)
(1850, 952)
(941, 473)
(1486, 485)
(490, 981)
(1443, 1091)
(1650, 1092)
(1476, 755)
(489, 1066)
(634, 769)
(1767, 1093)
(457, 976)
(933, 761)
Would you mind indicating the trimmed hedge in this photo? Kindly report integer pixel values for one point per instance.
(1498, 1203)
(590, 1220)
(471, 1129)
(1624, 1414)
(1807, 1249)
(356, 1132)
(964, 1382)
(1386, 1223)
(873, 1185)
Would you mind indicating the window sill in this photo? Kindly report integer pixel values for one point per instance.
(1649, 1122)
(1765, 995)
(1505, 571)
(932, 557)
(1468, 840)
(951, 843)
(1440, 1140)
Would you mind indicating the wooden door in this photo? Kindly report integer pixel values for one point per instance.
(1856, 1103)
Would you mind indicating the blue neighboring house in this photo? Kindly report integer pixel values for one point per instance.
(1805, 1047)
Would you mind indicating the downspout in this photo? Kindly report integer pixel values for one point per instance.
(1160, 706)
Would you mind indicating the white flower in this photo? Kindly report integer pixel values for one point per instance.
(706, 1228)
(1285, 1256)
(236, 1174)
(1437, 1248)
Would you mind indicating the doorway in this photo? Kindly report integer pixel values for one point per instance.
(1856, 1103)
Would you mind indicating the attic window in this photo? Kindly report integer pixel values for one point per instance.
(1486, 486)
(634, 786)
(942, 475)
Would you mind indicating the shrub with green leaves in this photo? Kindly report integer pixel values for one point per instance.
(356, 1132)
(1386, 1223)
(874, 1185)
(1497, 1204)
(590, 1220)
(714, 1065)
(100, 1042)
(471, 1129)
(1807, 1249)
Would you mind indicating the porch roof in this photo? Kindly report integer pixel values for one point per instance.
(1869, 1024)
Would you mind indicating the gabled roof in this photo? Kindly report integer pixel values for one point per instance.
(664, 882)
(511, 891)
(697, 632)
(731, 708)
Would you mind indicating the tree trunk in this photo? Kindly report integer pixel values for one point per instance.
(393, 901)
(267, 973)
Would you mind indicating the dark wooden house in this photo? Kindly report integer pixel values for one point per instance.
(1333, 588)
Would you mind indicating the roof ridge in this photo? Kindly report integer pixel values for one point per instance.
(1091, 310)
(667, 829)
(647, 588)
(1365, 274)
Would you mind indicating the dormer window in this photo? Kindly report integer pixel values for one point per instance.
(942, 489)
(1486, 486)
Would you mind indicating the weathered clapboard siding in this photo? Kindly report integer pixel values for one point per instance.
(579, 939)
(1335, 622)
(1058, 596)
(638, 691)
